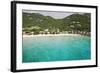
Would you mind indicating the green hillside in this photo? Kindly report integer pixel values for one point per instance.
(75, 23)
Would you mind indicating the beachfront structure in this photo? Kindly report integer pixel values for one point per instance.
(37, 30)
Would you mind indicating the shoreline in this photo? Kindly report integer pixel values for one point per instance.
(40, 35)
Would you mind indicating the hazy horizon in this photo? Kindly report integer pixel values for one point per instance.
(54, 14)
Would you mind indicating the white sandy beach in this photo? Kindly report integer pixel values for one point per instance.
(39, 35)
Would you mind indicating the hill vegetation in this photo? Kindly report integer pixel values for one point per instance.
(35, 23)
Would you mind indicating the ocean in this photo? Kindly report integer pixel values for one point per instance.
(56, 48)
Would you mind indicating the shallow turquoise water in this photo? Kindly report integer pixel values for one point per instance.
(59, 48)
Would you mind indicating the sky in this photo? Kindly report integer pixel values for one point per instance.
(56, 15)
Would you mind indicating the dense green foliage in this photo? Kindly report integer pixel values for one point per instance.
(37, 22)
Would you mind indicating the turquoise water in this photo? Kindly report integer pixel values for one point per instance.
(56, 48)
